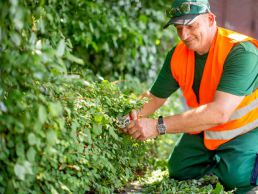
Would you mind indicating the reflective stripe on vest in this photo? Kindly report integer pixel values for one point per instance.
(226, 135)
(245, 117)
(243, 120)
(247, 113)
(244, 110)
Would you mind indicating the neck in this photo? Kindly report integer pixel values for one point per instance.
(206, 48)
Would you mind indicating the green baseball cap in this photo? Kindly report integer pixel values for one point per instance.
(183, 12)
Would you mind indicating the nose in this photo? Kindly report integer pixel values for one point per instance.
(183, 33)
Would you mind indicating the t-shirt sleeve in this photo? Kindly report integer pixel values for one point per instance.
(240, 71)
(165, 84)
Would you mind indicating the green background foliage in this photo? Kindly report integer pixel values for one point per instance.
(57, 118)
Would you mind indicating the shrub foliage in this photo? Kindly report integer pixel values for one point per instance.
(57, 130)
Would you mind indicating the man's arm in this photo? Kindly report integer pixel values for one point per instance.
(148, 108)
(152, 105)
(205, 116)
(195, 120)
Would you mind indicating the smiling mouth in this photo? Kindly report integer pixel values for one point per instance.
(188, 42)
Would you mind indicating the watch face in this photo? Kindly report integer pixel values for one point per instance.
(162, 129)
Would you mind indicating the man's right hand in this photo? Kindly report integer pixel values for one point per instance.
(130, 119)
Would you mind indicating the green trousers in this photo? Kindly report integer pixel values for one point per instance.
(233, 162)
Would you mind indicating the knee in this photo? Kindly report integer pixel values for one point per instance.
(175, 170)
(172, 170)
(236, 181)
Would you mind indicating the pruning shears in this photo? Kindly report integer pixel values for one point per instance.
(124, 121)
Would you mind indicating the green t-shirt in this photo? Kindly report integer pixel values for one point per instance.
(240, 73)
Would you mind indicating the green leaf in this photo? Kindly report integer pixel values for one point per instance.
(89, 136)
(31, 153)
(97, 129)
(51, 137)
(16, 39)
(49, 150)
(2, 107)
(113, 134)
(61, 123)
(19, 171)
(53, 190)
(65, 188)
(28, 167)
(143, 18)
(75, 125)
(75, 59)
(95, 46)
(218, 189)
(61, 48)
(42, 114)
(32, 139)
(55, 109)
(20, 150)
(98, 118)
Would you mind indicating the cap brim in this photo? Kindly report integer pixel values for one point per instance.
(182, 20)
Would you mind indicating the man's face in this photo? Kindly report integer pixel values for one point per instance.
(196, 36)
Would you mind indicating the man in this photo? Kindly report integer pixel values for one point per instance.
(217, 71)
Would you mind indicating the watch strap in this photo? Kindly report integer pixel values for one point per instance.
(160, 120)
(161, 128)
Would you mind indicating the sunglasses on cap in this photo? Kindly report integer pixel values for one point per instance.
(185, 8)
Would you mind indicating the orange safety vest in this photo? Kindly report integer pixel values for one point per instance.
(245, 117)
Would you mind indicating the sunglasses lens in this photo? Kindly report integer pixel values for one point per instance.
(173, 12)
(185, 8)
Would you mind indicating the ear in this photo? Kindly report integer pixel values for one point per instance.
(211, 18)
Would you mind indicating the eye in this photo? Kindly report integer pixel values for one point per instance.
(179, 29)
(193, 26)
(190, 26)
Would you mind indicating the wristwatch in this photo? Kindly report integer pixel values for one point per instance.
(161, 127)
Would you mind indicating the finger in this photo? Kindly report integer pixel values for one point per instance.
(125, 130)
(134, 114)
(136, 135)
(132, 124)
(132, 130)
(141, 138)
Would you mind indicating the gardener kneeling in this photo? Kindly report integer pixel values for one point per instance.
(217, 71)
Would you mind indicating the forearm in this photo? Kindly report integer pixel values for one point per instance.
(195, 120)
(152, 105)
(198, 119)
